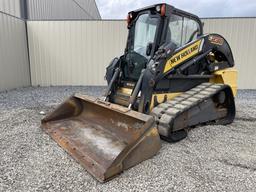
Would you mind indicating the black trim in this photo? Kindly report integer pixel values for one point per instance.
(174, 85)
(146, 8)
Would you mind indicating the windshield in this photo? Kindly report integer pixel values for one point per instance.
(145, 30)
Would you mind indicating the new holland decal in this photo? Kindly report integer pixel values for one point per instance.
(182, 55)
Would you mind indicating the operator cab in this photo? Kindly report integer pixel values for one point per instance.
(150, 28)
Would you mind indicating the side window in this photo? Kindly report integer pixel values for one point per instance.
(181, 30)
(190, 30)
(175, 30)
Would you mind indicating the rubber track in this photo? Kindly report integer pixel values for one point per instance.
(165, 113)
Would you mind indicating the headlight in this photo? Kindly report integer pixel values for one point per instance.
(158, 8)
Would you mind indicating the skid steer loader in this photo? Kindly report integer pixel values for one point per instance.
(172, 77)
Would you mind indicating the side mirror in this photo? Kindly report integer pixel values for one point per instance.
(149, 48)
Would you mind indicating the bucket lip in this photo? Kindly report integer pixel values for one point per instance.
(115, 107)
(98, 175)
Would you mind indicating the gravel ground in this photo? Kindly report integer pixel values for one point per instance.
(211, 158)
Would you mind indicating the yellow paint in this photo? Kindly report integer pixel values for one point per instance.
(226, 76)
(182, 55)
(161, 97)
(124, 90)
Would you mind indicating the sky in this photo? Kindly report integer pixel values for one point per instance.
(118, 9)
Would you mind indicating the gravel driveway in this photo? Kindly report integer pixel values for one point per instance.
(211, 158)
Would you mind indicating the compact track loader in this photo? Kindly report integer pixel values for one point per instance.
(172, 77)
